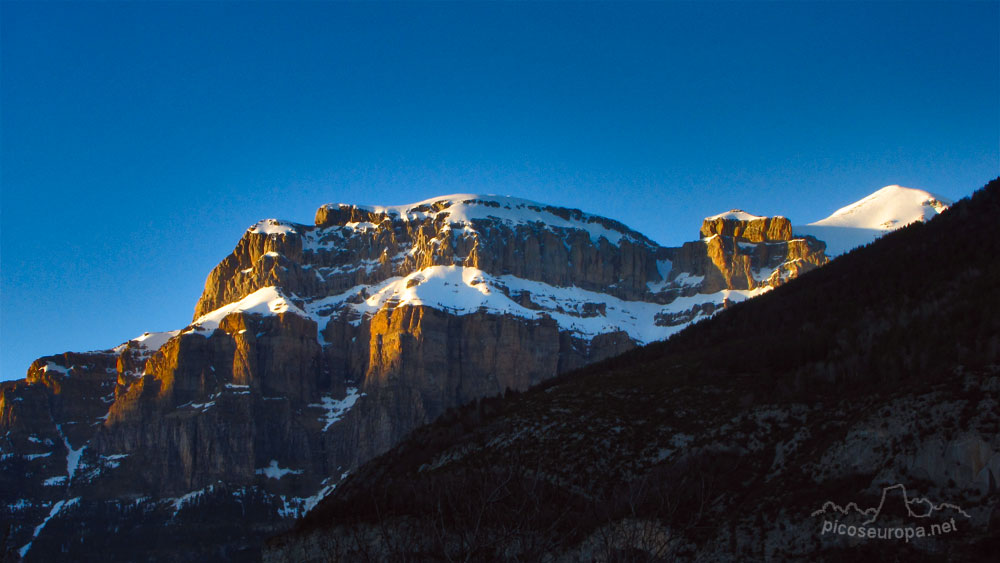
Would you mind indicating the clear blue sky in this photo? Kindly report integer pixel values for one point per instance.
(140, 140)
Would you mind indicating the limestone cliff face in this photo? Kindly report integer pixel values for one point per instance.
(317, 347)
(423, 361)
(748, 253)
(747, 228)
(351, 246)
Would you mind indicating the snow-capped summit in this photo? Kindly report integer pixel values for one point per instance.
(888, 209)
(734, 215)
(861, 222)
(467, 209)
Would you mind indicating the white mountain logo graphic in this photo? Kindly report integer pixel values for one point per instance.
(897, 517)
(895, 502)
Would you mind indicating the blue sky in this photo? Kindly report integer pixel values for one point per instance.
(140, 140)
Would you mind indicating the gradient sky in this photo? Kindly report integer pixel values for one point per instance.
(140, 140)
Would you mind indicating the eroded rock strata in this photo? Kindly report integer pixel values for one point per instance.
(317, 347)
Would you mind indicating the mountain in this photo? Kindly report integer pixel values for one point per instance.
(728, 441)
(315, 348)
(865, 220)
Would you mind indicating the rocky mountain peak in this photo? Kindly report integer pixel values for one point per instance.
(468, 210)
(743, 226)
(314, 348)
(353, 245)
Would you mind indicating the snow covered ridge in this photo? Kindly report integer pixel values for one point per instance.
(465, 209)
(148, 342)
(861, 222)
(464, 290)
(467, 290)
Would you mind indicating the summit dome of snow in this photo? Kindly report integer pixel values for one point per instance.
(887, 209)
(463, 209)
(861, 222)
(734, 215)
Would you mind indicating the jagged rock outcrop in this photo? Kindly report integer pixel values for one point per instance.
(351, 246)
(750, 228)
(742, 251)
(317, 347)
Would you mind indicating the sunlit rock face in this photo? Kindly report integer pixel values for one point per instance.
(317, 347)
(741, 225)
(738, 250)
(351, 246)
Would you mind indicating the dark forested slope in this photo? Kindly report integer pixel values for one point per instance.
(873, 380)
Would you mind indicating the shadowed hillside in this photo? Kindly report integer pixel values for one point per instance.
(723, 442)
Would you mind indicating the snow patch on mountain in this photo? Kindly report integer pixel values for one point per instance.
(734, 215)
(49, 366)
(72, 456)
(58, 506)
(663, 267)
(265, 301)
(179, 502)
(155, 340)
(336, 408)
(273, 227)
(149, 341)
(273, 471)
